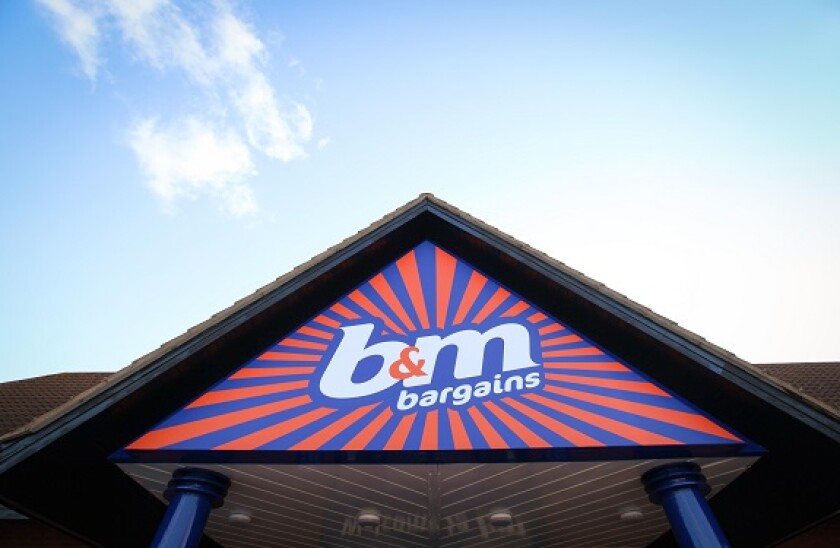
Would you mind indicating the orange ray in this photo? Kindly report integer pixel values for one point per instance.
(627, 431)
(691, 421)
(362, 439)
(289, 357)
(316, 440)
(359, 298)
(474, 287)
(187, 431)
(260, 372)
(234, 394)
(381, 286)
(493, 439)
(444, 274)
(460, 439)
(522, 432)
(516, 309)
(397, 440)
(344, 312)
(312, 332)
(275, 431)
(297, 343)
(641, 387)
(410, 274)
(429, 441)
(586, 366)
(575, 437)
(551, 328)
(537, 317)
(560, 340)
(329, 322)
(586, 351)
(498, 298)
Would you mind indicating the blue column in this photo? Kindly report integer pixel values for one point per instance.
(680, 488)
(191, 493)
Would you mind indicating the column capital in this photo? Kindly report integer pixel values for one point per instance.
(192, 493)
(671, 476)
(205, 483)
(681, 489)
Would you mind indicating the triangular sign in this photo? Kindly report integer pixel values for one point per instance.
(432, 355)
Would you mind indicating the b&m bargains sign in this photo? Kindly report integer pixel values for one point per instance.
(430, 354)
(415, 369)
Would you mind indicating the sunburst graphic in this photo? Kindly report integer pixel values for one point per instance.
(585, 398)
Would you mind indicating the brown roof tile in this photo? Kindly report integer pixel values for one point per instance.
(23, 400)
(820, 380)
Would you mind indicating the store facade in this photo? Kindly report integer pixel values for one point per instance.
(431, 382)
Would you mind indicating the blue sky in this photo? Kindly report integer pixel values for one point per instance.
(161, 160)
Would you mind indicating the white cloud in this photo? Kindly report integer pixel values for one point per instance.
(238, 46)
(324, 142)
(276, 129)
(226, 61)
(159, 35)
(278, 133)
(295, 63)
(189, 157)
(77, 24)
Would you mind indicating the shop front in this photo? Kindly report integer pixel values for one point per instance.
(431, 382)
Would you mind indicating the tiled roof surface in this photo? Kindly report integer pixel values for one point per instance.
(820, 380)
(23, 400)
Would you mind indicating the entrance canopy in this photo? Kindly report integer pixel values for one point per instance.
(599, 503)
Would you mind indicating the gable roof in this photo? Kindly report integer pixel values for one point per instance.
(800, 432)
(428, 202)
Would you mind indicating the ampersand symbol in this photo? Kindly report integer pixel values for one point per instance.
(404, 367)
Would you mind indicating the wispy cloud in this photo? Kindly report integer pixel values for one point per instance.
(206, 150)
(79, 27)
(324, 142)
